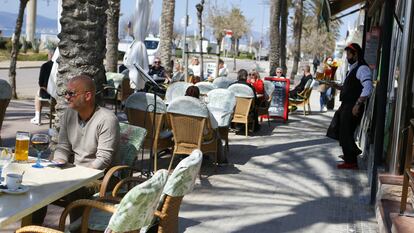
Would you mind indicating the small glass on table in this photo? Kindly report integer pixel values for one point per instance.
(40, 142)
(6, 157)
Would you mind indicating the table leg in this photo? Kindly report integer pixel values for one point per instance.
(26, 221)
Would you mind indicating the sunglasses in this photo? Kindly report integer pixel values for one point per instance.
(278, 72)
(71, 94)
(157, 62)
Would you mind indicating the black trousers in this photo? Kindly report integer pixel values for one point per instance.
(347, 126)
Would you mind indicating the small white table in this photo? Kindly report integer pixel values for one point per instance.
(46, 186)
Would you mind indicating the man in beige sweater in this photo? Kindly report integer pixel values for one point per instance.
(88, 136)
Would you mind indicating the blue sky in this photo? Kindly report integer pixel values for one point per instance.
(252, 9)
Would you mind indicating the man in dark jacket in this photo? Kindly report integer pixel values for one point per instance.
(355, 91)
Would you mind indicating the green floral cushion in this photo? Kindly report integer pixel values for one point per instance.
(181, 181)
(131, 141)
(137, 208)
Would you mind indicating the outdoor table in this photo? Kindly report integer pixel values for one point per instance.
(46, 185)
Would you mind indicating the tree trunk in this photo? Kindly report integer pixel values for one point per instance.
(218, 56)
(112, 35)
(274, 54)
(15, 47)
(81, 46)
(297, 35)
(234, 46)
(166, 33)
(283, 33)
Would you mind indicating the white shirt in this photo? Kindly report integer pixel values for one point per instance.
(364, 75)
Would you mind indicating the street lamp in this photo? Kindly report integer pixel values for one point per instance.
(200, 8)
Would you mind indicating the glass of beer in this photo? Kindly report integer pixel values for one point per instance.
(22, 146)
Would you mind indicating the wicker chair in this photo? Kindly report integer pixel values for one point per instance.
(205, 87)
(264, 108)
(191, 129)
(131, 141)
(221, 104)
(244, 105)
(180, 183)
(5, 96)
(133, 212)
(175, 90)
(136, 107)
(303, 97)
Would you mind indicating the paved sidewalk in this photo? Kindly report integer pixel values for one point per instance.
(283, 179)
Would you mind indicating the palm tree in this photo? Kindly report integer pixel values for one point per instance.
(274, 54)
(112, 35)
(283, 32)
(239, 25)
(166, 33)
(81, 45)
(217, 21)
(15, 47)
(297, 35)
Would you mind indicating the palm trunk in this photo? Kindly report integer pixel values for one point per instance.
(274, 55)
(283, 33)
(166, 33)
(112, 35)
(15, 47)
(81, 46)
(297, 35)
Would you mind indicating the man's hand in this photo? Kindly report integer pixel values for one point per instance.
(60, 161)
(355, 109)
(335, 85)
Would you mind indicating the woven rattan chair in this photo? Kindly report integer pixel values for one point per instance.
(131, 139)
(135, 108)
(191, 128)
(303, 97)
(263, 109)
(133, 212)
(244, 105)
(180, 183)
(5, 96)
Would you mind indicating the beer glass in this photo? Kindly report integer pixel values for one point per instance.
(22, 146)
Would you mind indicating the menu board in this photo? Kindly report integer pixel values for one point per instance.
(279, 107)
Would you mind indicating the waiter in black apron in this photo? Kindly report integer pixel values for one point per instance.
(355, 91)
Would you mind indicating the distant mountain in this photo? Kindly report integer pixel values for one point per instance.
(43, 24)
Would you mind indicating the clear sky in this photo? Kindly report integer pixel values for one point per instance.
(254, 10)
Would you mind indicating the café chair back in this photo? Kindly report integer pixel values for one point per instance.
(180, 183)
(244, 104)
(223, 82)
(303, 98)
(5, 96)
(263, 108)
(131, 140)
(134, 211)
(221, 104)
(175, 90)
(191, 127)
(205, 87)
(139, 110)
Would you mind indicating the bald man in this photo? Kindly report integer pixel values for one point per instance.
(89, 134)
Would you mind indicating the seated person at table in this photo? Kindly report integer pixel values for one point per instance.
(193, 91)
(178, 75)
(42, 93)
(195, 79)
(157, 71)
(279, 73)
(88, 136)
(301, 86)
(257, 83)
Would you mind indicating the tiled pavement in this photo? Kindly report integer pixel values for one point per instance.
(283, 179)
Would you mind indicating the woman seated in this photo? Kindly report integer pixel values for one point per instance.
(193, 91)
(258, 85)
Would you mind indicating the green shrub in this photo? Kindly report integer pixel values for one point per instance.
(178, 53)
(32, 57)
